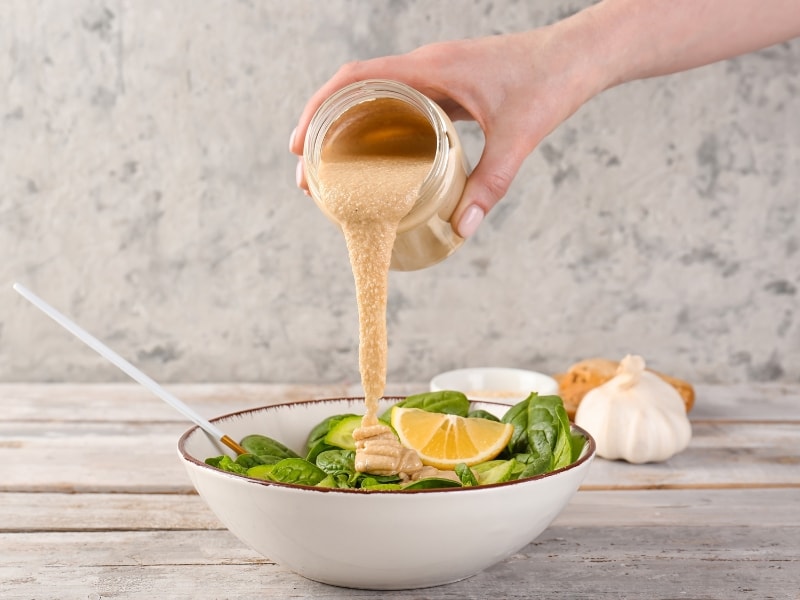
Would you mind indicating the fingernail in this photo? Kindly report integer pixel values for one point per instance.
(470, 220)
(298, 173)
(291, 139)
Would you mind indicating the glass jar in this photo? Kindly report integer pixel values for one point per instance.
(424, 236)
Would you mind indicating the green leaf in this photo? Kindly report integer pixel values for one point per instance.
(226, 463)
(329, 482)
(577, 442)
(296, 470)
(430, 483)
(482, 414)
(542, 434)
(531, 465)
(314, 451)
(261, 445)
(339, 463)
(446, 401)
(466, 475)
(249, 460)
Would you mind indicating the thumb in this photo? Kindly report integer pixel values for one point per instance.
(487, 184)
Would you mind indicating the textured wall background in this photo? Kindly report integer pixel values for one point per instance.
(146, 190)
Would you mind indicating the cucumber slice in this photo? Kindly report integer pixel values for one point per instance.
(494, 471)
(341, 434)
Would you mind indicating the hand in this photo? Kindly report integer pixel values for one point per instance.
(517, 87)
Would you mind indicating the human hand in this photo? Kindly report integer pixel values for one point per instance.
(517, 87)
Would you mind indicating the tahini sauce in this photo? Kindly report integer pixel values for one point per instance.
(374, 161)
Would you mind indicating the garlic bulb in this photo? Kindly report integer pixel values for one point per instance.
(635, 416)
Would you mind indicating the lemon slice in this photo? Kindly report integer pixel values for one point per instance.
(443, 441)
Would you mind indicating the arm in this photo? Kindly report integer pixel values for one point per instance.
(519, 87)
(659, 37)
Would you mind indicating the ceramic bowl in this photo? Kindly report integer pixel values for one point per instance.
(372, 540)
(495, 384)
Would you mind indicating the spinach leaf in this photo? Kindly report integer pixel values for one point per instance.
(319, 446)
(531, 465)
(577, 441)
(266, 447)
(249, 460)
(226, 463)
(541, 431)
(466, 475)
(340, 481)
(329, 481)
(296, 470)
(482, 414)
(381, 478)
(517, 415)
(561, 443)
(430, 483)
(445, 401)
(339, 463)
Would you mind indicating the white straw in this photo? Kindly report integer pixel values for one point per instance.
(117, 360)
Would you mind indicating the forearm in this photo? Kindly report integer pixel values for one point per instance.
(635, 39)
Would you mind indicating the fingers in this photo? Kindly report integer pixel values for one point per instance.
(300, 177)
(489, 182)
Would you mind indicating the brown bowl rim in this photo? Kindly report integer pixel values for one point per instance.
(586, 456)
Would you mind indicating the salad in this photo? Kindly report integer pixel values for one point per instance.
(540, 441)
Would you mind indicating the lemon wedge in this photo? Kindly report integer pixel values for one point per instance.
(443, 441)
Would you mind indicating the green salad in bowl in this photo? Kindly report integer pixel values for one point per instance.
(298, 497)
(537, 438)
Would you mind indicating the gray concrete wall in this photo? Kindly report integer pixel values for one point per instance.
(146, 190)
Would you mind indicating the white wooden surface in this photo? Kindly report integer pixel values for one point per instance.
(94, 504)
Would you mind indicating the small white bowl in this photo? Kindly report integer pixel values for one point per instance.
(373, 540)
(495, 384)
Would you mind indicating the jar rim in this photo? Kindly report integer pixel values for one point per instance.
(367, 90)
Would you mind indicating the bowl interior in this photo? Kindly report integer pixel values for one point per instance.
(290, 424)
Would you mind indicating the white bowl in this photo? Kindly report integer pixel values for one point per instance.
(372, 540)
(495, 384)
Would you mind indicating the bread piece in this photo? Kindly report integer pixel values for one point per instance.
(592, 372)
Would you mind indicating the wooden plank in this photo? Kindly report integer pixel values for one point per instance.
(39, 512)
(719, 455)
(747, 402)
(28, 512)
(630, 562)
(130, 402)
(142, 457)
(133, 403)
(683, 508)
(94, 457)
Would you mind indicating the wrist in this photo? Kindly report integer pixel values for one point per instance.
(600, 44)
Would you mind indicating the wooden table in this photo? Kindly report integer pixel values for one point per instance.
(94, 504)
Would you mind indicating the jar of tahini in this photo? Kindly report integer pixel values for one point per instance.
(372, 124)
